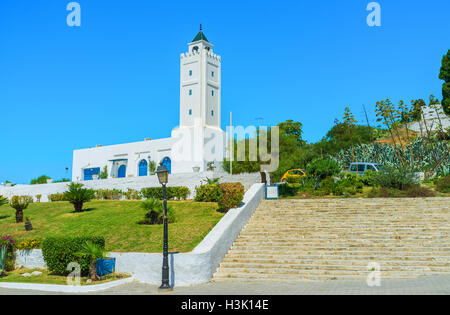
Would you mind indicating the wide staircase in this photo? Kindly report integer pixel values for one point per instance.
(329, 239)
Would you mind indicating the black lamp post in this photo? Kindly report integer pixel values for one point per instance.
(163, 177)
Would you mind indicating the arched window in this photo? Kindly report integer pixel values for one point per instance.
(167, 163)
(143, 168)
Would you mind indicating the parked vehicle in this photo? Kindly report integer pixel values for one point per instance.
(295, 172)
(360, 168)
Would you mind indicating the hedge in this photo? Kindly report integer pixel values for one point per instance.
(179, 193)
(208, 193)
(56, 197)
(58, 252)
(231, 196)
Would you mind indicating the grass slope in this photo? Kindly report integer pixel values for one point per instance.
(117, 222)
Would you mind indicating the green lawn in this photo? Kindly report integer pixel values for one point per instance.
(116, 221)
(48, 278)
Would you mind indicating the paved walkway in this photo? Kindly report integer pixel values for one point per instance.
(424, 285)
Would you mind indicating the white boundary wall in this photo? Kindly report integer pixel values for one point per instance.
(186, 269)
(190, 180)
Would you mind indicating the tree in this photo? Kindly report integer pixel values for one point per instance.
(77, 195)
(40, 180)
(350, 121)
(19, 203)
(104, 173)
(445, 75)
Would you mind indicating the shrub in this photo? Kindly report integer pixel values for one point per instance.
(104, 173)
(155, 212)
(19, 203)
(133, 194)
(368, 178)
(108, 194)
(56, 197)
(286, 190)
(398, 178)
(29, 244)
(443, 185)
(419, 191)
(58, 252)
(77, 195)
(350, 185)
(38, 198)
(208, 193)
(327, 185)
(40, 180)
(323, 168)
(231, 196)
(180, 193)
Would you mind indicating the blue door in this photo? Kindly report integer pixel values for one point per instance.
(143, 168)
(122, 172)
(167, 163)
(89, 172)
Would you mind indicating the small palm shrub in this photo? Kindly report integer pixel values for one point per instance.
(19, 203)
(77, 195)
(231, 196)
(155, 212)
(92, 252)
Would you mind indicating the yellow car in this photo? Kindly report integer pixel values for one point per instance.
(295, 173)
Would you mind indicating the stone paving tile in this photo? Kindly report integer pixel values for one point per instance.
(436, 285)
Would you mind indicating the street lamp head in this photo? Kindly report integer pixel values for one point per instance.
(163, 174)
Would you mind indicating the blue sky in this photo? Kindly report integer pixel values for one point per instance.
(116, 78)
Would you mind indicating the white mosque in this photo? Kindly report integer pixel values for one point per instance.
(198, 140)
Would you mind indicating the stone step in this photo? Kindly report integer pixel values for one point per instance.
(360, 266)
(338, 261)
(363, 255)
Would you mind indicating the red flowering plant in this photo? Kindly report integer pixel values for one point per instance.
(7, 241)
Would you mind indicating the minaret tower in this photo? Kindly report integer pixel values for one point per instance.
(200, 89)
(199, 138)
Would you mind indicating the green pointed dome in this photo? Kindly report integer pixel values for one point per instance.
(200, 36)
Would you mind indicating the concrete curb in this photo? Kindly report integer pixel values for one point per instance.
(65, 288)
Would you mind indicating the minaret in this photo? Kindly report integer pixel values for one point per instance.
(200, 92)
(199, 138)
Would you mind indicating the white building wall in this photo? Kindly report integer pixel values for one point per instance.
(132, 152)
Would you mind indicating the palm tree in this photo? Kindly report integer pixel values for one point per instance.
(19, 203)
(77, 195)
(93, 252)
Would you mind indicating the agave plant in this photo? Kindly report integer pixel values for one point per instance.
(420, 156)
